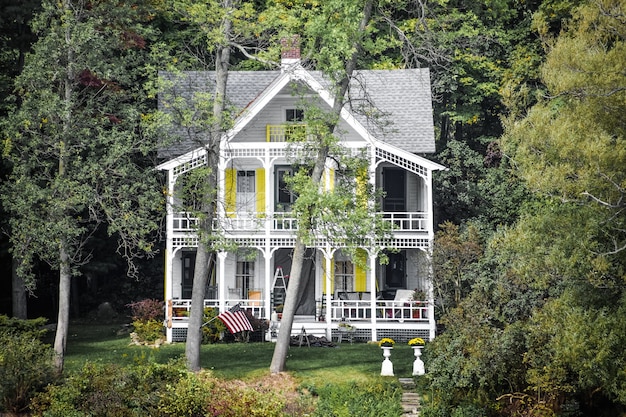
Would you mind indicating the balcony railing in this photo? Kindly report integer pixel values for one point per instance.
(407, 221)
(253, 221)
(285, 133)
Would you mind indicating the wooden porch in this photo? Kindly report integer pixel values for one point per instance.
(371, 319)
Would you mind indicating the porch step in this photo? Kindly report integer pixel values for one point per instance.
(410, 399)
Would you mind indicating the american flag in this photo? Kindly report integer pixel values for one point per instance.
(236, 320)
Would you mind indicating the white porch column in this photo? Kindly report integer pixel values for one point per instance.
(429, 205)
(267, 298)
(221, 273)
(372, 258)
(328, 262)
(169, 254)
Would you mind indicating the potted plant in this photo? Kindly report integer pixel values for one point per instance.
(417, 342)
(386, 342)
(418, 298)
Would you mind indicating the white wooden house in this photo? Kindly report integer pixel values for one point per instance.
(254, 205)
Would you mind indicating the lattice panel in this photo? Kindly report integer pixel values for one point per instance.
(179, 334)
(360, 335)
(409, 243)
(185, 242)
(244, 153)
(189, 165)
(403, 335)
(250, 242)
(402, 162)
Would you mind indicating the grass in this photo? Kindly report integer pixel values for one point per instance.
(313, 365)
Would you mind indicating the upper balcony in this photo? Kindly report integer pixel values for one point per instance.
(252, 222)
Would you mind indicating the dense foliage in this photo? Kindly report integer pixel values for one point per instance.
(530, 256)
(25, 362)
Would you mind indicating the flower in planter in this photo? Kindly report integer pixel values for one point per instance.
(418, 341)
(386, 342)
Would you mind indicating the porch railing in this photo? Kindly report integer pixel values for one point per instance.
(398, 311)
(180, 308)
(253, 221)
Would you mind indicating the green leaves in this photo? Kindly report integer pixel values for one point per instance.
(76, 144)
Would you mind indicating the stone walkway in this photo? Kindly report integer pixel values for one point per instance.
(410, 399)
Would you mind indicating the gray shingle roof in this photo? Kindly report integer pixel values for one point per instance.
(394, 105)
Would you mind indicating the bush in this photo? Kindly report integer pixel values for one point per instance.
(150, 331)
(381, 399)
(147, 318)
(199, 394)
(212, 331)
(146, 310)
(33, 327)
(108, 390)
(26, 366)
(162, 391)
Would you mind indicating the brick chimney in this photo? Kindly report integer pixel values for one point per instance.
(290, 51)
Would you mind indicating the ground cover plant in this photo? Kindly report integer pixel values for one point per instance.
(107, 375)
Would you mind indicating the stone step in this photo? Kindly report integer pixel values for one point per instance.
(410, 399)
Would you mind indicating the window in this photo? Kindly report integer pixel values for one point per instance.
(344, 276)
(244, 277)
(284, 197)
(294, 115)
(245, 191)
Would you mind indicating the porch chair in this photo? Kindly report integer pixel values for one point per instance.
(400, 300)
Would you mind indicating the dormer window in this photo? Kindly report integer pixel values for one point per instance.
(294, 115)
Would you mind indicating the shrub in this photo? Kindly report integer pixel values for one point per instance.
(33, 327)
(26, 366)
(212, 331)
(108, 390)
(147, 318)
(381, 399)
(150, 331)
(199, 394)
(146, 310)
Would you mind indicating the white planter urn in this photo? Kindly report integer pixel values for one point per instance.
(387, 367)
(418, 364)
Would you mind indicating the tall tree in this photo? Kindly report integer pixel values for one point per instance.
(354, 26)
(223, 25)
(15, 41)
(79, 156)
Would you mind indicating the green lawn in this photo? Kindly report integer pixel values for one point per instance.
(316, 365)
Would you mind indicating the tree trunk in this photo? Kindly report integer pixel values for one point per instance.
(65, 280)
(65, 273)
(279, 358)
(19, 300)
(196, 312)
(203, 254)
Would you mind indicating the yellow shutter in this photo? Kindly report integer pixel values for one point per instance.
(360, 275)
(361, 188)
(230, 191)
(260, 190)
